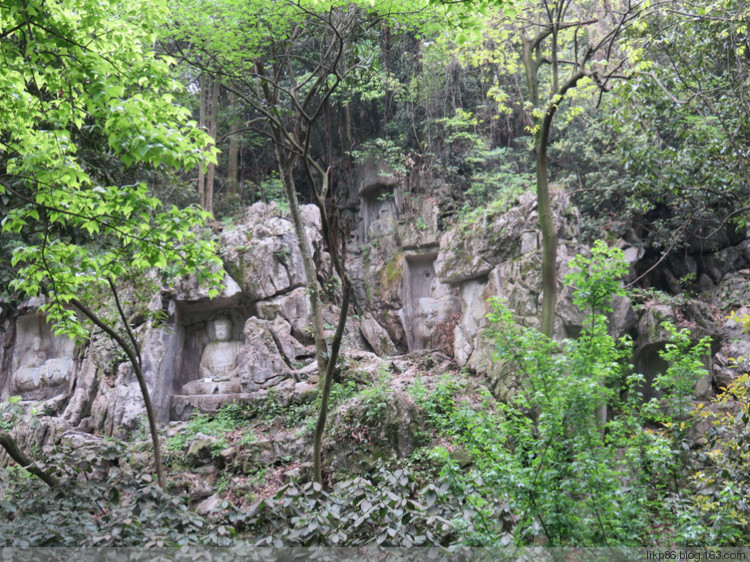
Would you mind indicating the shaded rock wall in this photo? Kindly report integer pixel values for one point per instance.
(416, 288)
(187, 365)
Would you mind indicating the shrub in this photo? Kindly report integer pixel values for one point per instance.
(569, 474)
(718, 511)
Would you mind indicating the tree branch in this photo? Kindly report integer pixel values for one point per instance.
(28, 464)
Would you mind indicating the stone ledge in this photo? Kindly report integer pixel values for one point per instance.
(183, 405)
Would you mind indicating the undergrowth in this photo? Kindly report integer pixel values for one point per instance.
(576, 457)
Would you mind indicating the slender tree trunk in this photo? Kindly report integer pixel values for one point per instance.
(544, 203)
(348, 119)
(135, 361)
(202, 125)
(286, 166)
(213, 119)
(331, 235)
(25, 462)
(327, 381)
(547, 226)
(234, 150)
(328, 135)
(387, 99)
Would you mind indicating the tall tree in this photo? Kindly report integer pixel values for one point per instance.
(82, 73)
(561, 46)
(284, 60)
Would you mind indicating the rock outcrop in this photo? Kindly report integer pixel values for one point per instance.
(418, 286)
(263, 308)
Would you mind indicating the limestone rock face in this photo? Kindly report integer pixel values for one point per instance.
(188, 289)
(473, 250)
(294, 308)
(418, 288)
(376, 336)
(262, 254)
(473, 304)
(261, 364)
(499, 258)
(622, 318)
(84, 394)
(290, 347)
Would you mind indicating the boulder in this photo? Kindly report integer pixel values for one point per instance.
(650, 326)
(294, 308)
(292, 349)
(260, 364)
(200, 450)
(262, 254)
(387, 422)
(304, 392)
(376, 336)
(211, 503)
(187, 289)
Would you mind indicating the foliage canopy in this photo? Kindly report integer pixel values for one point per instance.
(75, 73)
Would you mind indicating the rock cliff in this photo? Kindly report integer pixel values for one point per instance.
(419, 285)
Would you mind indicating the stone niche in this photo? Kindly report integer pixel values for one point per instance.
(379, 211)
(210, 338)
(428, 303)
(41, 365)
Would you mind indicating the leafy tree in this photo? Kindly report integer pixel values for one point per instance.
(558, 50)
(682, 122)
(83, 71)
(564, 45)
(284, 61)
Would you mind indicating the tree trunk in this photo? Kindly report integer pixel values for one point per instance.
(234, 150)
(202, 125)
(286, 166)
(547, 226)
(27, 463)
(327, 381)
(331, 235)
(213, 119)
(327, 131)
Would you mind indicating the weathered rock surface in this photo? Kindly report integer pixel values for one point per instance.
(387, 424)
(376, 336)
(499, 258)
(417, 288)
(262, 254)
(200, 450)
(261, 364)
(294, 308)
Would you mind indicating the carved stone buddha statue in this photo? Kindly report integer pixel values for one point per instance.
(218, 366)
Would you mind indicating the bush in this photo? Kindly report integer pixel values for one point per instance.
(570, 473)
(102, 501)
(718, 511)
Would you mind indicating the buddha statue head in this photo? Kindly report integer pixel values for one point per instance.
(222, 328)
